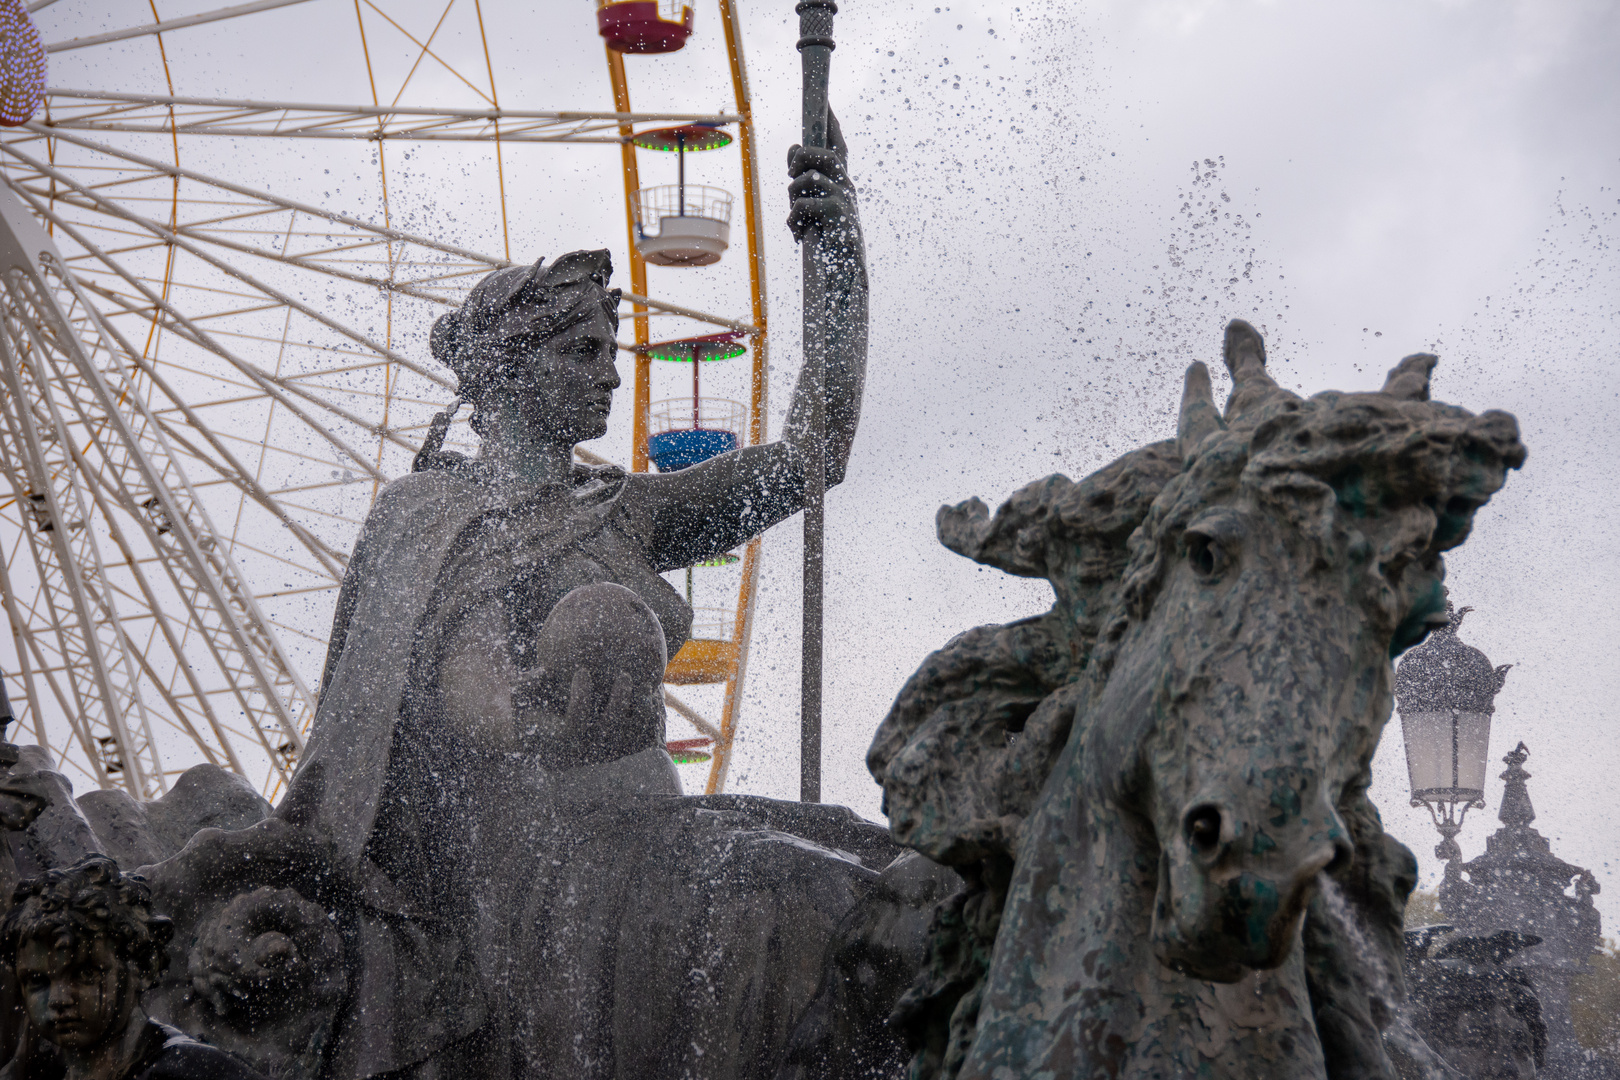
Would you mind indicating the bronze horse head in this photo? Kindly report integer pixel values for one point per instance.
(1147, 787)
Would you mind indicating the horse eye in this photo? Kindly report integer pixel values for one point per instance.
(1206, 555)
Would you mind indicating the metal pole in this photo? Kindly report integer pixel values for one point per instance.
(815, 52)
(680, 173)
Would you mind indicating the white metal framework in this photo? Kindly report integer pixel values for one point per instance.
(89, 463)
(78, 110)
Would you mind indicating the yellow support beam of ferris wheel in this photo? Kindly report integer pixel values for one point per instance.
(747, 593)
(638, 266)
(710, 662)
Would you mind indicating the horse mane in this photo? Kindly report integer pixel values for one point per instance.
(972, 736)
(1389, 453)
(974, 732)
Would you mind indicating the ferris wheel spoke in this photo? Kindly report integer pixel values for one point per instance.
(490, 262)
(156, 229)
(168, 25)
(333, 562)
(697, 719)
(67, 560)
(95, 581)
(28, 627)
(441, 131)
(179, 531)
(201, 231)
(142, 477)
(164, 431)
(690, 313)
(282, 560)
(184, 581)
(155, 114)
(304, 263)
(481, 263)
(234, 471)
(29, 658)
(274, 387)
(177, 709)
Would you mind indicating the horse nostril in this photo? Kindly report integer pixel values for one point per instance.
(1204, 829)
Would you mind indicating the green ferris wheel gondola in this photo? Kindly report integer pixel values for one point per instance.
(687, 138)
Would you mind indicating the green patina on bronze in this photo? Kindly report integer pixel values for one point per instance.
(1146, 787)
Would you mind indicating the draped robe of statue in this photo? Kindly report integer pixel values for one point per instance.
(535, 907)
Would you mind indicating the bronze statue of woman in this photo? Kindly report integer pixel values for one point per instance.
(497, 651)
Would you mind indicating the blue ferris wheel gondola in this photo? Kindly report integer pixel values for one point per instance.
(686, 432)
(672, 451)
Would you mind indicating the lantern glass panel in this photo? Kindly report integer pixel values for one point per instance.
(1446, 750)
(1473, 749)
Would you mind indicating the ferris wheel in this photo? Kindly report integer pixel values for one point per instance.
(206, 378)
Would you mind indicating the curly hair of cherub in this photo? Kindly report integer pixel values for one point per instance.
(92, 899)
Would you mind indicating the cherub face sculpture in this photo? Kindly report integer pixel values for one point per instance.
(78, 992)
(84, 944)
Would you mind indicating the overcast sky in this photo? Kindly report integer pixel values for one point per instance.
(1037, 178)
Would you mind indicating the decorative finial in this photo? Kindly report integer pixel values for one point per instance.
(1516, 809)
(1447, 850)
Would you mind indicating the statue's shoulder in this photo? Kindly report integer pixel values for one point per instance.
(417, 499)
(417, 504)
(418, 489)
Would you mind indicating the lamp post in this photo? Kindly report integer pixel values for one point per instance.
(815, 52)
(1446, 692)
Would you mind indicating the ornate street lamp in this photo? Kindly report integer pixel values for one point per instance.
(1446, 692)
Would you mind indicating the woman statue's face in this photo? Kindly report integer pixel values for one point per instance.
(567, 381)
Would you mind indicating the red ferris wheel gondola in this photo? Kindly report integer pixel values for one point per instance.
(643, 26)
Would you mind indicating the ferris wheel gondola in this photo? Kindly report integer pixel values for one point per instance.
(683, 224)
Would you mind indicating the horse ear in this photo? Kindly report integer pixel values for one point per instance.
(1198, 416)
(1245, 357)
(1409, 379)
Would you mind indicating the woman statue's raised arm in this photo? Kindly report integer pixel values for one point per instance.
(713, 507)
(824, 200)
